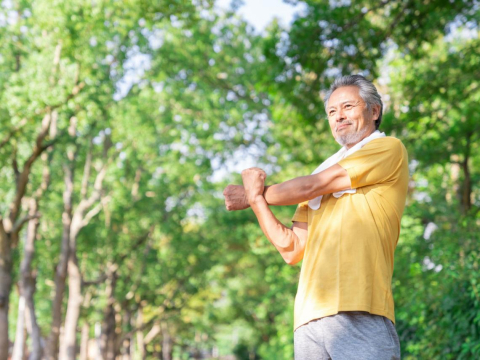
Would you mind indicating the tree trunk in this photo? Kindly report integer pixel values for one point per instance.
(5, 286)
(10, 228)
(167, 343)
(20, 339)
(33, 328)
(125, 348)
(140, 337)
(125, 353)
(80, 218)
(108, 338)
(27, 290)
(27, 322)
(61, 269)
(84, 341)
(73, 222)
(68, 347)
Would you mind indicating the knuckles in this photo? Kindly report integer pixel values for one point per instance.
(229, 190)
(257, 171)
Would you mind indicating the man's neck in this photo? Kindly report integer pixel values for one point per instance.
(349, 146)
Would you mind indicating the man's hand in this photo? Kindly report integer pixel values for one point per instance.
(254, 183)
(235, 198)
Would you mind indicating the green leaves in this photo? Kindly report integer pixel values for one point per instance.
(179, 94)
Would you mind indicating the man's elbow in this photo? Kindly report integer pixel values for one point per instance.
(292, 263)
(291, 260)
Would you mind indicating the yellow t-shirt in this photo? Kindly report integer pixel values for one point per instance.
(348, 259)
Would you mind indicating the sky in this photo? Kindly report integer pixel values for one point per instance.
(261, 12)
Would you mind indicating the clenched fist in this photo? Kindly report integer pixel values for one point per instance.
(253, 182)
(235, 198)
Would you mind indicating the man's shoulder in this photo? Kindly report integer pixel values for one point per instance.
(387, 143)
(388, 149)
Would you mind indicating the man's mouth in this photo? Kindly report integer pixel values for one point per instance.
(340, 127)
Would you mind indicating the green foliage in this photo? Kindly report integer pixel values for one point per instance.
(211, 93)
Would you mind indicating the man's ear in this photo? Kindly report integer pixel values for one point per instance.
(376, 112)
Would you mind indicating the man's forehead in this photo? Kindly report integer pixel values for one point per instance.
(343, 95)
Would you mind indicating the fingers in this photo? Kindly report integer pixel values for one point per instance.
(253, 173)
(235, 198)
(255, 170)
(227, 191)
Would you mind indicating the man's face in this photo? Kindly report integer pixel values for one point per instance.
(349, 118)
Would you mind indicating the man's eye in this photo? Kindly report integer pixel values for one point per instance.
(348, 106)
(331, 113)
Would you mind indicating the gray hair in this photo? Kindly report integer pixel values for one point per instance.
(368, 92)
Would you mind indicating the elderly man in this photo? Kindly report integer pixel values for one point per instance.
(345, 230)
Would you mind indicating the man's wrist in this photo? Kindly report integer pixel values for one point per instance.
(256, 199)
(245, 197)
(265, 192)
(265, 189)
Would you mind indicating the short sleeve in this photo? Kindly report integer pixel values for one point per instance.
(301, 214)
(379, 161)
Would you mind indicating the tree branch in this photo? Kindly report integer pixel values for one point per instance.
(86, 172)
(24, 175)
(3, 236)
(152, 334)
(91, 214)
(97, 185)
(98, 281)
(20, 222)
(16, 172)
(97, 188)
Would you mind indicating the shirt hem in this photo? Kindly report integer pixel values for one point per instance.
(330, 312)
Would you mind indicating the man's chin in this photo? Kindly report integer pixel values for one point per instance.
(345, 139)
(350, 139)
(340, 141)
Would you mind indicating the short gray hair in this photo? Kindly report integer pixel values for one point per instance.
(368, 92)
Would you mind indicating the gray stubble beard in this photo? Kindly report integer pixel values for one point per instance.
(351, 138)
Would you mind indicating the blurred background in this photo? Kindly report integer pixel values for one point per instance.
(122, 121)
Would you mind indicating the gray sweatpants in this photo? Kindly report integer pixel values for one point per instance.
(355, 335)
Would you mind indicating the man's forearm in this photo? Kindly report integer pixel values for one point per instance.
(290, 192)
(283, 238)
(293, 191)
(278, 194)
(308, 187)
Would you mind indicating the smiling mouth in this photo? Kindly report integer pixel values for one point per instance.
(342, 126)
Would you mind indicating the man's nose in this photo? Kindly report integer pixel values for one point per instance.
(340, 115)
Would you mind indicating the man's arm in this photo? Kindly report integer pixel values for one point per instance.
(305, 188)
(290, 243)
(294, 191)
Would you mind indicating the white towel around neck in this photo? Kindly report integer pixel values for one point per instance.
(314, 204)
